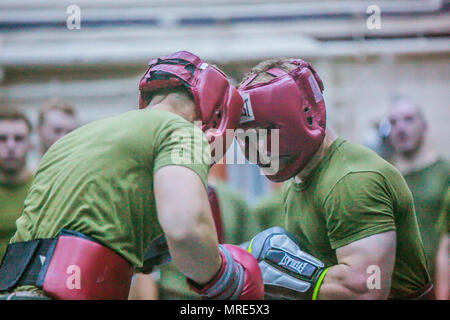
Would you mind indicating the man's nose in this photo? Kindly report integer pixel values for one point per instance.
(11, 143)
(399, 126)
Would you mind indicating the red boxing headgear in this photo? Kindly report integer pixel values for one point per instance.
(219, 105)
(291, 102)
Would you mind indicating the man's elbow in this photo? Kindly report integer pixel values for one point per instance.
(179, 224)
(181, 232)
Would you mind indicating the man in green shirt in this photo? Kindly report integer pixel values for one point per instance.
(427, 176)
(110, 187)
(15, 179)
(351, 211)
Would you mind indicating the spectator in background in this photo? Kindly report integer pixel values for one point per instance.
(427, 176)
(15, 178)
(56, 119)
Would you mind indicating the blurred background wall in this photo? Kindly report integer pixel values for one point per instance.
(92, 53)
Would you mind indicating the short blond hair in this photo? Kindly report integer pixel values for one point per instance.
(54, 104)
(261, 68)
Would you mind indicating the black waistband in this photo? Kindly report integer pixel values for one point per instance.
(25, 263)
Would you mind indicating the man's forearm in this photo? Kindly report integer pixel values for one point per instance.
(196, 255)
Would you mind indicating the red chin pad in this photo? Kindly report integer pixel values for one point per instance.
(81, 269)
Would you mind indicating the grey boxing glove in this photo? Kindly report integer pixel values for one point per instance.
(288, 272)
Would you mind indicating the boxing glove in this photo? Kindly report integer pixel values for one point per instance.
(288, 271)
(239, 277)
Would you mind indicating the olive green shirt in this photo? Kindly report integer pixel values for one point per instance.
(428, 186)
(350, 195)
(11, 205)
(98, 180)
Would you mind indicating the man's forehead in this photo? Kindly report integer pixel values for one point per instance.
(12, 126)
(58, 115)
(403, 108)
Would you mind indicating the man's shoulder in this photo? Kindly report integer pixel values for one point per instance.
(349, 164)
(442, 165)
(152, 127)
(354, 162)
(355, 157)
(151, 118)
(438, 171)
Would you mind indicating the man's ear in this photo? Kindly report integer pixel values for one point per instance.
(425, 125)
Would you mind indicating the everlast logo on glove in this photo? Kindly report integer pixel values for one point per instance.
(296, 265)
(288, 272)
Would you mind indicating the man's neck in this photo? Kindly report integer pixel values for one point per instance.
(418, 159)
(330, 137)
(43, 148)
(175, 104)
(13, 178)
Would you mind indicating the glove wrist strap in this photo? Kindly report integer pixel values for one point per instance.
(227, 284)
(318, 284)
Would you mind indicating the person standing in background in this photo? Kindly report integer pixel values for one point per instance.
(427, 176)
(56, 119)
(15, 178)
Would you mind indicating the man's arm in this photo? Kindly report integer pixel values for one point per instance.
(143, 287)
(364, 269)
(185, 217)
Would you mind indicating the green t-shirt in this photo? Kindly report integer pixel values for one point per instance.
(428, 186)
(98, 180)
(238, 227)
(350, 195)
(268, 212)
(11, 205)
